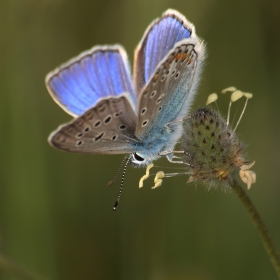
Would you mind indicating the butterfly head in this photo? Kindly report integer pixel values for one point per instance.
(140, 160)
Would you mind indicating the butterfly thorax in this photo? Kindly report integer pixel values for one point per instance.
(148, 148)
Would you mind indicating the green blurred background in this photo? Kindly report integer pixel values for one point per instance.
(56, 213)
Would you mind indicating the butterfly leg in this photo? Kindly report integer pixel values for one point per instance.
(167, 125)
(170, 156)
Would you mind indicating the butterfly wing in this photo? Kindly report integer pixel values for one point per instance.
(107, 128)
(95, 86)
(170, 89)
(169, 93)
(100, 72)
(159, 38)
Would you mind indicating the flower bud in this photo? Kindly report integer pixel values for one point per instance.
(214, 152)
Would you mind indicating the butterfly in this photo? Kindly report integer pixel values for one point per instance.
(114, 114)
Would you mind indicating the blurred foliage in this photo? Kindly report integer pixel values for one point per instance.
(56, 213)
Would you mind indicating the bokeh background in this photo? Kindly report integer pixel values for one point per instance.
(56, 213)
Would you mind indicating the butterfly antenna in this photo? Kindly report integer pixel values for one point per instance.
(118, 172)
(121, 187)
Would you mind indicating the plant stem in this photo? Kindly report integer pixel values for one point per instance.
(11, 268)
(260, 226)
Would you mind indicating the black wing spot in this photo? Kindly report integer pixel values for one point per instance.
(118, 114)
(122, 127)
(108, 119)
(86, 129)
(153, 93)
(144, 110)
(97, 124)
(114, 137)
(177, 75)
(79, 135)
(145, 122)
(97, 138)
(163, 78)
(159, 100)
(159, 109)
(79, 143)
(173, 72)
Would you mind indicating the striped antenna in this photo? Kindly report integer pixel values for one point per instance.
(121, 187)
(118, 172)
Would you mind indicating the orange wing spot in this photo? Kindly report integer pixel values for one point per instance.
(145, 92)
(172, 58)
(155, 78)
(178, 56)
(190, 61)
(185, 56)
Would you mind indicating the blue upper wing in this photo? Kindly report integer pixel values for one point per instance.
(99, 73)
(159, 38)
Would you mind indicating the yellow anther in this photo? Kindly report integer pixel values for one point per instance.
(229, 89)
(248, 176)
(236, 95)
(211, 98)
(248, 95)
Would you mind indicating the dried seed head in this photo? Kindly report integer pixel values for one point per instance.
(215, 152)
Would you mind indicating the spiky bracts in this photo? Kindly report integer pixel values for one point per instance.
(214, 152)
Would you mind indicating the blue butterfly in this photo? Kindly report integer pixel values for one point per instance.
(115, 115)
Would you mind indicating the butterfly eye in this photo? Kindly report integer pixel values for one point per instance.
(137, 157)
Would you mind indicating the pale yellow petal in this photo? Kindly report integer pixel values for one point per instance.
(248, 177)
(246, 167)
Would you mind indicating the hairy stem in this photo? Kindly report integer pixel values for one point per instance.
(260, 226)
(11, 268)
